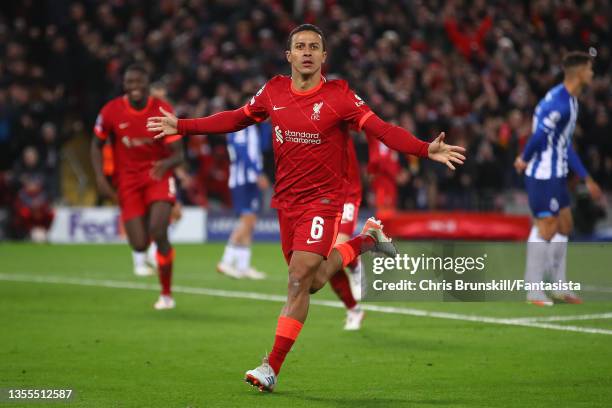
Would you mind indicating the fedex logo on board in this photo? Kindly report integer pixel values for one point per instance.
(95, 229)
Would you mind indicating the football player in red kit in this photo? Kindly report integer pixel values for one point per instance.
(339, 281)
(310, 120)
(143, 171)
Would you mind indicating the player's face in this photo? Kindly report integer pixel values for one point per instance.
(586, 73)
(306, 55)
(136, 84)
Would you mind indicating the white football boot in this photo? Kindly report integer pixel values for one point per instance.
(141, 265)
(262, 377)
(566, 297)
(229, 270)
(254, 274)
(354, 317)
(538, 298)
(164, 302)
(143, 270)
(382, 243)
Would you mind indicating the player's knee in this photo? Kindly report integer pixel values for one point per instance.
(566, 229)
(300, 278)
(158, 233)
(547, 233)
(547, 228)
(140, 246)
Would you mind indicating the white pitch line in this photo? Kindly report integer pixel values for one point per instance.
(567, 318)
(281, 299)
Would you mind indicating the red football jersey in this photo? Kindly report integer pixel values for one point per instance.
(134, 148)
(310, 138)
(383, 162)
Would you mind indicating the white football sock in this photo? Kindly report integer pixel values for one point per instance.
(558, 257)
(152, 253)
(538, 258)
(229, 255)
(243, 257)
(139, 258)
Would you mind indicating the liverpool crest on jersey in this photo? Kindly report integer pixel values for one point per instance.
(316, 111)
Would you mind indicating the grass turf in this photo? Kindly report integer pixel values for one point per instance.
(113, 349)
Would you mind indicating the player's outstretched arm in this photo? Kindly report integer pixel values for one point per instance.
(222, 122)
(405, 142)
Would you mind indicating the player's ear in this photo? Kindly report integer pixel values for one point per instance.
(324, 57)
(288, 55)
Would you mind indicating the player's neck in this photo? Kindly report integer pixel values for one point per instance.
(139, 105)
(573, 86)
(304, 83)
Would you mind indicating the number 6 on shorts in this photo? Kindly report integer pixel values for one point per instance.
(316, 231)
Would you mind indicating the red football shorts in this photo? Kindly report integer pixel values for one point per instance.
(137, 194)
(349, 217)
(310, 229)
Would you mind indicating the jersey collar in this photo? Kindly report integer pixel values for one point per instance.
(310, 91)
(133, 111)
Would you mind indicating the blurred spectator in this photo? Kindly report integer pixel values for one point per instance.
(474, 68)
(32, 212)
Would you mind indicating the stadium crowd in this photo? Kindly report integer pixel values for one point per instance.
(475, 69)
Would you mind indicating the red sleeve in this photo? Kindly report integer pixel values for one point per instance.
(354, 110)
(258, 106)
(103, 127)
(222, 122)
(229, 121)
(395, 137)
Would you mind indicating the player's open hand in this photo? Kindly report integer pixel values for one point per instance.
(445, 153)
(163, 125)
(520, 165)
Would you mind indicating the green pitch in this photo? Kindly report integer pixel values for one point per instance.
(85, 326)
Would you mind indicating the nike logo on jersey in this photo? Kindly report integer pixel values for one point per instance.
(278, 107)
(124, 125)
(312, 241)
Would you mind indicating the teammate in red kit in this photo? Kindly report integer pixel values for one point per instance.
(339, 281)
(143, 171)
(310, 120)
(385, 168)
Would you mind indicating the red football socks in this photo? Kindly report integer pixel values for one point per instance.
(340, 284)
(353, 264)
(351, 249)
(287, 331)
(164, 265)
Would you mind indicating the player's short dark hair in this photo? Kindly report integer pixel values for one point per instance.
(137, 67)
(575, 59)
(306, 27)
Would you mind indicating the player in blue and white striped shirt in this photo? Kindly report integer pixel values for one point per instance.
(245, 180)
(546, 160)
